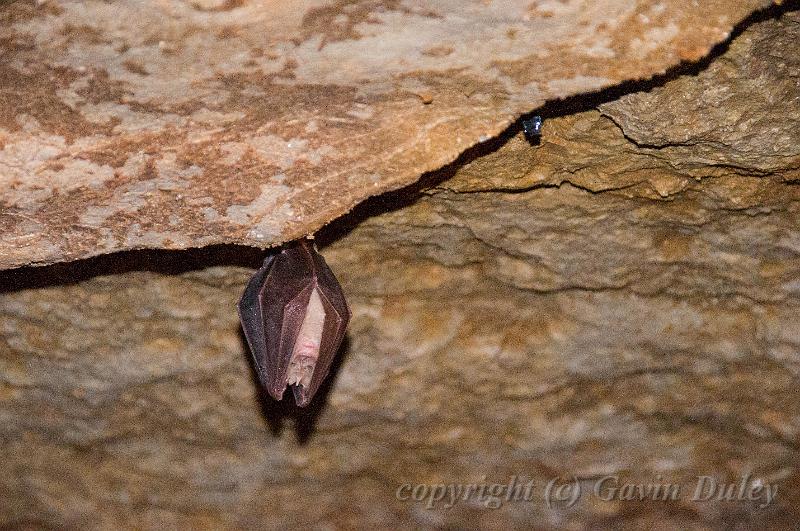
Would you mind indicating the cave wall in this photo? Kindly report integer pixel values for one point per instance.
(183, 123)
(620, 299)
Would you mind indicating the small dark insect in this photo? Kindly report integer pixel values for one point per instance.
(294, 315)
(532, 128)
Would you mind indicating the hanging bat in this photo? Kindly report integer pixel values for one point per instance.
(294, 315)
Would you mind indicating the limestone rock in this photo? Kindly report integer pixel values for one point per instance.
(620, 301)
(177, 124)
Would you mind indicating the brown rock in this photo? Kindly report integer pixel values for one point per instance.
(181, 124)
(617, 306)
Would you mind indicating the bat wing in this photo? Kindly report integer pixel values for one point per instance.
(251, 316)
(337, 315)
(272, 310)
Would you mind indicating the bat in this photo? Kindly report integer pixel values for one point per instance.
(294, 316)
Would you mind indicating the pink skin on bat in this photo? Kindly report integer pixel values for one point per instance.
(306, 348)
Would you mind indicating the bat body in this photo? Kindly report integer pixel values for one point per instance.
(294, 316)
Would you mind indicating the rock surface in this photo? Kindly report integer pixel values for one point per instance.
(621, 300)
(177, 124)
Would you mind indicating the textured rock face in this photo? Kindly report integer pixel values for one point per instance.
(177, 124)
(620, 300)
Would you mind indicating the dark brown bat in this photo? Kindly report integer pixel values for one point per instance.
(294, 315)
